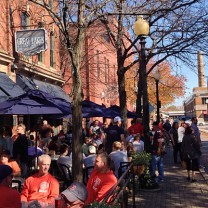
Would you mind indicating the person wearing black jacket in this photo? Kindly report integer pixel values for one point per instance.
(20, 149)
(191, 152)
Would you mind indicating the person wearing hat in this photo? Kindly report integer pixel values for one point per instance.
(114, 133)
(74, 196)
(90, 159)
(8, 193)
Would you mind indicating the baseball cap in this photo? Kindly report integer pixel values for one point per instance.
(5, 171)
(76, 191)
(92, 149)
(117, 119)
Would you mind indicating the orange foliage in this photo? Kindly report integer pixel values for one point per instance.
(170, 86)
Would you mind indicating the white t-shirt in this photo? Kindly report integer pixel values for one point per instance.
(181, 132)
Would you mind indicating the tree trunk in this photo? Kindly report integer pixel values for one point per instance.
(77, 141)
(122, 97)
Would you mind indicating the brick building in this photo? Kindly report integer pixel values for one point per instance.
(41, 71)
(196, 105)
(50, 70)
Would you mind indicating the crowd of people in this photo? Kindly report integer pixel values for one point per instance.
(186, 143)
(105, 147)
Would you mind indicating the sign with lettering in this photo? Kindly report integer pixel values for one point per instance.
(30, 42)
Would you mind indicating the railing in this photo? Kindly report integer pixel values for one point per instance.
(128, 177)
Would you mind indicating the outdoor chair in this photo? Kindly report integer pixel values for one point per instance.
(66, 175)
(87, 171)
(122, 168)
(16, 184)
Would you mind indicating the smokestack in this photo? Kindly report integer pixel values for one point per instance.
(201, 70)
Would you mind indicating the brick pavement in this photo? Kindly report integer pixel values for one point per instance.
(176, 191)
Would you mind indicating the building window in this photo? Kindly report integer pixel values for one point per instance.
(98, 64)
(40, 57)
(108, 71)
(106, 37)
(50, 3)
(51, 50)
(114, 73)
(105, 69)
(24, 20)
(204, 100)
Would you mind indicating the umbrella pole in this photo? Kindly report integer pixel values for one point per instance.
(36, 151)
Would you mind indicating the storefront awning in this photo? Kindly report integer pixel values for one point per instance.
(8, 88)
(27, 84)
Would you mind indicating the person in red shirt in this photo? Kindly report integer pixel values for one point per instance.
(9, 198)
(42, 186)
(137, 128)
(101, 180)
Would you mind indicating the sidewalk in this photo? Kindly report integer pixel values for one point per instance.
(175, 191)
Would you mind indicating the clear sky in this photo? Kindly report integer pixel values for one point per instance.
(192, 81)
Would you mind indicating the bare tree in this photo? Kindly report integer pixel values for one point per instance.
(73, 18)
(178, 28)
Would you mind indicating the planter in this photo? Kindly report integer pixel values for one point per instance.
(138, 169)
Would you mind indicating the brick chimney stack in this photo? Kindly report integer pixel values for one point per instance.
(201, 70)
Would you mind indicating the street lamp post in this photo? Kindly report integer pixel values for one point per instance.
(141, 28)
(207, 108)
(157, 79)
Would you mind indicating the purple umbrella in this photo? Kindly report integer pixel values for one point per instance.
(35, 102)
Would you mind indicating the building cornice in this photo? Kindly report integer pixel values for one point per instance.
(5, 57)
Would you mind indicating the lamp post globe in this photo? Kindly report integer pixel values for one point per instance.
(141, 29)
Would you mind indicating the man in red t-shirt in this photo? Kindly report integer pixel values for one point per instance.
(101, 179)
(9, 198)
(137, 128)
(41, 188)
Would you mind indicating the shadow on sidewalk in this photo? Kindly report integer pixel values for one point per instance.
(175, 191)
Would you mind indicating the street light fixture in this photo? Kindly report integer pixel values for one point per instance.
(141, 28)
(157, 79)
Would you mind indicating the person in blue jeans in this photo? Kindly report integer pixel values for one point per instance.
(157, 151)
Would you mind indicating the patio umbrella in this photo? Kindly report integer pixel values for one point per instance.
(91, 109)
(129, 113)
(35, 102)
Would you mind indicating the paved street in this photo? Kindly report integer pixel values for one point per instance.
(176, 191)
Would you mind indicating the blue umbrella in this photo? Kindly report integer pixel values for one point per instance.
(129, 113)
(91, 109)
(35, 102)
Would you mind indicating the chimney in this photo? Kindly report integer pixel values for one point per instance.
(201, 70)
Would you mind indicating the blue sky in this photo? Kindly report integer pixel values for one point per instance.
(192, 81)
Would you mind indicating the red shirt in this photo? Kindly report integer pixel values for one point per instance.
(99, 184)
(9, 198)
(136, 128)
(44, 189)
